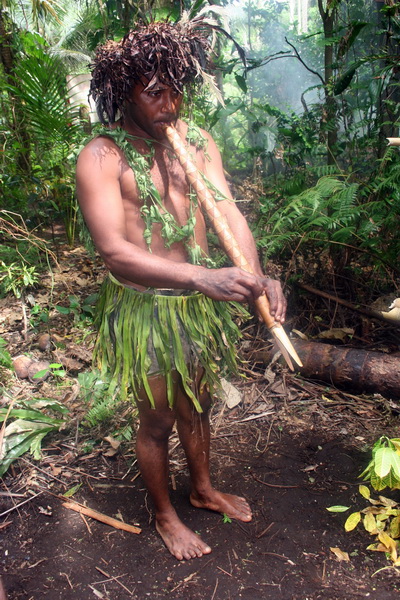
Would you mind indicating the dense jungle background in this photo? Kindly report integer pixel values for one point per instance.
(303, 131)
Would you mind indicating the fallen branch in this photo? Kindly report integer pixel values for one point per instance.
(19, 505)
(372, 314)
(79, 508)
(112, 578)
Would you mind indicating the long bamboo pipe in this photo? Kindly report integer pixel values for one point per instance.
(229, 242)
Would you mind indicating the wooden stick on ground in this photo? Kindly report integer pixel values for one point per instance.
(84, 510)
(368, 312)
(228, 241)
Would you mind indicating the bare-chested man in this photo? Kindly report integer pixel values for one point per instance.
(165, 324)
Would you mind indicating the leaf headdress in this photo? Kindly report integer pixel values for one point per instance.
(177, 55)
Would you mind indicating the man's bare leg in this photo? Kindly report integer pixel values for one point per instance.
(194, 434)
(152, 454)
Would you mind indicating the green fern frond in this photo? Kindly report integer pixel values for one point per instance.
(102, 411)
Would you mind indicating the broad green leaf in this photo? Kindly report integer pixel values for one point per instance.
(352, 521)
(63, 310)
(383, 461)
(395, 460)
(16, 452)
(36, 445)
(377, 483)
(29, 415)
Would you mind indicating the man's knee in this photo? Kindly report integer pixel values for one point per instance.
(156, 424)
(187, 413)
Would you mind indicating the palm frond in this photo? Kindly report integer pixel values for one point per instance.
(42, 88)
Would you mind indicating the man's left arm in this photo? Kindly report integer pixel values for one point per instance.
(238, 224)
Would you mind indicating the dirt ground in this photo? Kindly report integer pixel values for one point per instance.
(291, 464)
(291, 447)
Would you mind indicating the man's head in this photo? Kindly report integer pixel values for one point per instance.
(158, 54)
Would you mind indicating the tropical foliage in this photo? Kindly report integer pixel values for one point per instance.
(304, 122)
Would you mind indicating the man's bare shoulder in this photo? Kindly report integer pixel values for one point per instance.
(100, 146)
(101, 155)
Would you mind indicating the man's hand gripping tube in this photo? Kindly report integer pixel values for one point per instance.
(228, 241)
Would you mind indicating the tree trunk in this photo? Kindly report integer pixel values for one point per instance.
(388, 103)
(17, 125)
(350, 368)
(329, 118)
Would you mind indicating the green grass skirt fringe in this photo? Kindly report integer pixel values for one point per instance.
(129, 322)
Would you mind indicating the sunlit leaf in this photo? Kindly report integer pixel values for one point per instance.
(383, 461)
(394, 528)
(352, 521)
(370, 524)
(364, 491)
(338, 508)
(390, 544)
(72, 491)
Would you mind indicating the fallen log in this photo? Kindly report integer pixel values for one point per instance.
(361, 370)
(351, 368)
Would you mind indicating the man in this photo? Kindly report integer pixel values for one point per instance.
(166, 323)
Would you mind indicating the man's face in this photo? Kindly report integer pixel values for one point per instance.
(151, 110)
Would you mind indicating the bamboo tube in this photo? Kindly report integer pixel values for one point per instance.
(229, 242)
(393, 141)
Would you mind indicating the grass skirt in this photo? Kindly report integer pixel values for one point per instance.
(183, 334)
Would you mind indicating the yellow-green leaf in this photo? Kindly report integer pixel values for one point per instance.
(352, 521)
(370, 524)
(396, 464)
(72, 491)
(396, 444)
(338, 508)
(390, 544)
(364, 491)
(394, 528)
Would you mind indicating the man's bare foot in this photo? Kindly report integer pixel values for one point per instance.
(181, 541)
(234, 507)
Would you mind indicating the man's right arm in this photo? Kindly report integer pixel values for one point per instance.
(98, 174)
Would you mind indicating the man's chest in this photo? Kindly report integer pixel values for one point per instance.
(162, 181)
